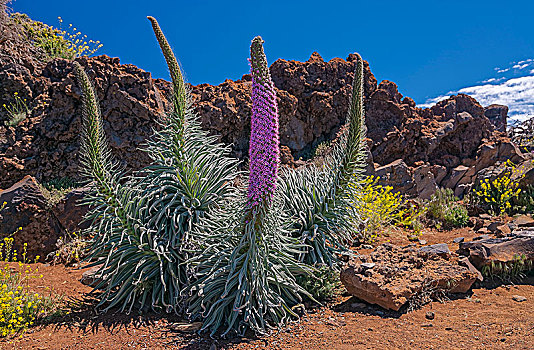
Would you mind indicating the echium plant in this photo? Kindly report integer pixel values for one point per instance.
(322, 201)
(246, 274)
(142, 222)
(264, 150)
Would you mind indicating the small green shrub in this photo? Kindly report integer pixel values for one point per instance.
(56, 42)
(60, 184)
(517, 268)
(322, 149)
(445, 210)
(457, 216)
(524, 203)
(52, 195)
(17, 110)
(322, 284)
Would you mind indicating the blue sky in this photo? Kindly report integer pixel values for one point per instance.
(429, 48)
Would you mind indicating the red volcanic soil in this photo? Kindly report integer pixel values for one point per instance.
(487, 318)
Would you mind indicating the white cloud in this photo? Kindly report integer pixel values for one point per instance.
(521, 66)
(515, 90)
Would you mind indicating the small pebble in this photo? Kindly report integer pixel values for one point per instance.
(368, 265)
(430, 315)
(458, 240)
(519, 298)
(422, 242)
(358, 306)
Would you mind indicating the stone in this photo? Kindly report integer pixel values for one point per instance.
(70, 211)
(465, 262)
(497, 115)
(486, 156)
(503, 230)
(486, 251)
(494, 225)
(524, 221)
(46, 144)
(484, 233)
(92, 277)
(528, 179)
(186, 327)
(458, 240)
(499, 228)
(400, 274)
(313, 99)
(358, 306)
(476, 223)
(422, 242)
(26, 213)
(396, 174)
(441, 249)
(430, 315)
(439, 172)
(368, 265)
(510, 151)
(519, 298)
(425, 181)
(455, 176)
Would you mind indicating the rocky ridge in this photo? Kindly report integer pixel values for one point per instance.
(415, 150)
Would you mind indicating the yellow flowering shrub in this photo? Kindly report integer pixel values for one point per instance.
(17, 110)
(380, 207)
(71, 249)
(497, 194)
(56, 42)
(20, 308)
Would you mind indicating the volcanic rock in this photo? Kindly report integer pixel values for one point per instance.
(402, 273)
(26, 217)
(524, 221)
(497, 115)
(484, 252)
(92, 277)
(441, 249)
(313, 99)
(70, 210)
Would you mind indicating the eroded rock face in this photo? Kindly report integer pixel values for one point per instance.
(313, 99)
(46, 143)
(484, 252)
(391, 276)
(27, 218)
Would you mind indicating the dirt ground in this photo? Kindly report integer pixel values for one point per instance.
(487, 318)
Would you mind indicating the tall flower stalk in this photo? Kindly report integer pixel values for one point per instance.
(142, 222)
(323, 202)
(246, 275)
(264, 151)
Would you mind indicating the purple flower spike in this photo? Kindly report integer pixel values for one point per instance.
(264, 151)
